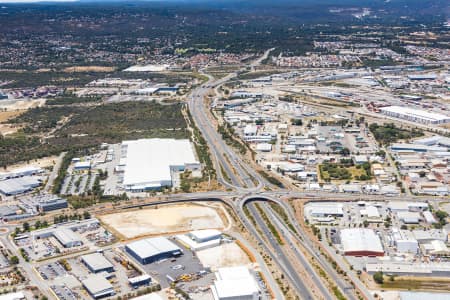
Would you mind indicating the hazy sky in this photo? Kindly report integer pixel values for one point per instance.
(33, 1)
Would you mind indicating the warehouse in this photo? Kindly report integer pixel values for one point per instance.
(324, 210)
(20, 185)
(82, 165)
(264, 147)
(441, 269)
(97, 263)
(372, 213)
(404, 241)
(436, 248)
(414, 115)
(21, 172)
(205, 235)
(47, 202)
(361, 242)
(149, 163)
(426, 236)
(9, 211)
(152, 296)
(98, 286)
(200, 239)
(408, 217)
(235, 283)
(140, 280)
(13, 296)
(153, 249)
(429, 218)
(67, 237)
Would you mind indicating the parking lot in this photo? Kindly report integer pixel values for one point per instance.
(51, 271)
(186, 266)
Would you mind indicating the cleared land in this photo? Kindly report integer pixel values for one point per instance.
(164, 219)
(418, 283)
(225, 255)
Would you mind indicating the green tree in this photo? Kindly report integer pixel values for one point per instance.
(26, 226)
(14, 260)
(86, 215)
(378, 277)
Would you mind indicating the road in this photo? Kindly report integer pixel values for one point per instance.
(243, 179)
(241, 175)
(54, 173)
(31, 273)
(246, 184)
(293, 242)
(278, 255)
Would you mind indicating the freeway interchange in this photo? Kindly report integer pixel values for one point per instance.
(298, 258)
(247, 186)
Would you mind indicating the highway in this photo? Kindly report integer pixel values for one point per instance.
(279, 257)
(243, 179)
(293, 242)
(246, 178)
(248, 184)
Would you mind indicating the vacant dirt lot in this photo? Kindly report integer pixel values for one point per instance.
(225, 255)
(18, 106)
(88, 69)
(163, 220)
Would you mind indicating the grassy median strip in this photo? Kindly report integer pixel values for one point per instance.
(271, 227)
(280, 211)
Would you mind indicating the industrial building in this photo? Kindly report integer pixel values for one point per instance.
(409, 217)
(414, 115)
(441, 269)
(235, 283)
(361, 242)
(7, 211)
(372, 213)
(19, 185)
(426, 236)
(405, 147)
(315, 209)
(404, 241)
(140, 280)
(264, 147)
(98, 286)
(436, 248)
(150, 163)
(153, 249)
(68, 238)
(97, 263)
(82, 166)
(47, 202)
(21, 172)
(65, 232)
(429, 218)
(13, 296)
(200, 239)
(152, 296)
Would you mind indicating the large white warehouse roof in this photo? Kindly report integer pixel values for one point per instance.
(149, 161)
(361, 242)
(235, 283)
(415, 114)
(152, 247)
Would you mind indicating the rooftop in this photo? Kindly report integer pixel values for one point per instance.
(97, 261)
(153, 246)
(360, 239)
(415, 112)
(97, 284)
(149, 161)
